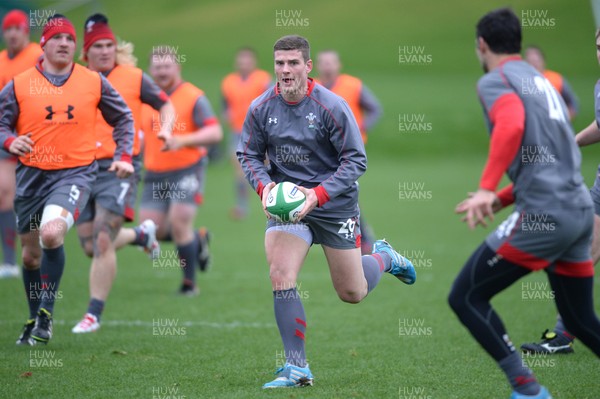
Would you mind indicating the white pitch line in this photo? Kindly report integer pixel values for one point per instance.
(143, 323)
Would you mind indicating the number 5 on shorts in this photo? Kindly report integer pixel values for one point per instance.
(74, 195)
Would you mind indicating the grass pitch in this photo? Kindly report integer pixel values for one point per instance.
(402, 341)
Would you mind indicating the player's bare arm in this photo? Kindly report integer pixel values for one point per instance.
(167, 118)
(204, 136)
(589, 135)
(461, 207)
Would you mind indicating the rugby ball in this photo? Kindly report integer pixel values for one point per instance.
(285, 201)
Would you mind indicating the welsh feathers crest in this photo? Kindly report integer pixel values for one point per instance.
(311, 120)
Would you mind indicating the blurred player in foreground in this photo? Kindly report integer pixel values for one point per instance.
(559, 340)
(20, 54)
(239, 88)
(535, 57)
(112, 200)
(53, 109)
(364, 105)
(318, 125)
(175, 169)
(551, 227)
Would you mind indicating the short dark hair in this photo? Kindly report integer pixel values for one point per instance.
(294, 42)
(501, 30)
(96, 18)
(54, 16)
(597, 33)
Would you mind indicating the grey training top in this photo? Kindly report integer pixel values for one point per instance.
(315, 142)
(597, 102)
(546, 171)
(569, 96)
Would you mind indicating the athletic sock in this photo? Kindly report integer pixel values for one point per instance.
(33, 289)
(289, 314)
(387, 260)
(53, 265)
(367, 236)
(169, 238)
(8, 231)
(560, 329)
(187, 259)
(519, 376)
(373, 268)
(96, 307)
(141, 238)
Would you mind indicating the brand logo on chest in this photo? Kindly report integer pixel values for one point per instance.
(52, 112)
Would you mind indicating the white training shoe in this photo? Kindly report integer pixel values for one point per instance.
(9, 271)
(152, 247)
(88, 324)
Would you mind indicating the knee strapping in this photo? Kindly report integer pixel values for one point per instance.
(54, 212)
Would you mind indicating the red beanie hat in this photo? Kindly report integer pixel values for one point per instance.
(16, 18)
(55, 25)
(96, 30)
